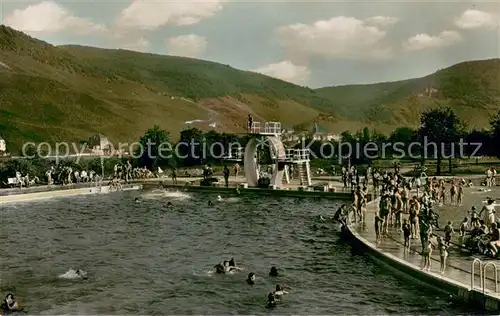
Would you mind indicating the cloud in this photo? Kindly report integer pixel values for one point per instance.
(139, 45)
(473, 19)
(186, 45)
(286, 71)
(338, 38)
(425, 41)
(47, 18)
(382, 20)
(150, 15)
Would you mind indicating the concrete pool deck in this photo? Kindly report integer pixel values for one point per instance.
(27, 196)
(457, 280)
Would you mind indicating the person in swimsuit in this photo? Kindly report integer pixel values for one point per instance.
(10, 304)
(271, 301)
(229, 266)
(460, 194)
(464, 226)
(448, 232)
(443, 253)
(378, 227)
(279, 292)
(406, 234)
(489, 213)
(426, 255)
(474, 217)
(251, 278)
(495, 239)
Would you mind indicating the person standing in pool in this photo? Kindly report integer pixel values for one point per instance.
(273, 272)
(251, 278)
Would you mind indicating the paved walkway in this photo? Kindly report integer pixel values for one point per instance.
(459, 265)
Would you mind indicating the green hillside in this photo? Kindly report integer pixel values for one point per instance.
(471, 88)
(68, 93)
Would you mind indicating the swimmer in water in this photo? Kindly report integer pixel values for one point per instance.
(271, 301)
(228, 267)
(219, 268)
(273, 272)
(169, 204)
(251, 278)
(81, 274)
(136, 200)
(210, 203)
(279, 291)
(10, 304)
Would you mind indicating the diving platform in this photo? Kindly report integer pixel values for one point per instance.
(268, 128)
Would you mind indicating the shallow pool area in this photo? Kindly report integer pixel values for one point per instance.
(145, 258)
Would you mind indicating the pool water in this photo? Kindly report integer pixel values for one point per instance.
(144, 258)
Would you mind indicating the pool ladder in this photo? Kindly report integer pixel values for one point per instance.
(482, 274)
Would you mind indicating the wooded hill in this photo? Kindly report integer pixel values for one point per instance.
(68, 93)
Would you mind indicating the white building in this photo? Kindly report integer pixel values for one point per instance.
(99, 143)
(3, 146)
(323, 136)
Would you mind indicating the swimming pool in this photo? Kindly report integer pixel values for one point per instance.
(143, 258)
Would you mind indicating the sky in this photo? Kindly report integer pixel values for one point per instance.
(314, 43)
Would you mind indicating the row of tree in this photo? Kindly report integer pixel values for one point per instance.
(441, 135)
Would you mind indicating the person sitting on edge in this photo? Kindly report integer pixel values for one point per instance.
(10, 304)
(495, 239)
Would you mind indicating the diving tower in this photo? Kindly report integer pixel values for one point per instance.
(269, 134)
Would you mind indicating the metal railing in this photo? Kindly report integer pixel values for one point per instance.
(269, 128)
(486, 265)
(255, 128)
(272, 128)
(482, 274)
(473, 274)
(297, 154)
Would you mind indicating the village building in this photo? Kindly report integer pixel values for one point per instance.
(321, 135)
(100, 145)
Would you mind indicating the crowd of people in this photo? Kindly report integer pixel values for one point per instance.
(407, 205)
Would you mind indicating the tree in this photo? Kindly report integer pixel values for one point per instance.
(482, 137)
(406, 136)
(190, 147)
(366, 135)
(156, 149)
(439, 128)
(495, 134)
